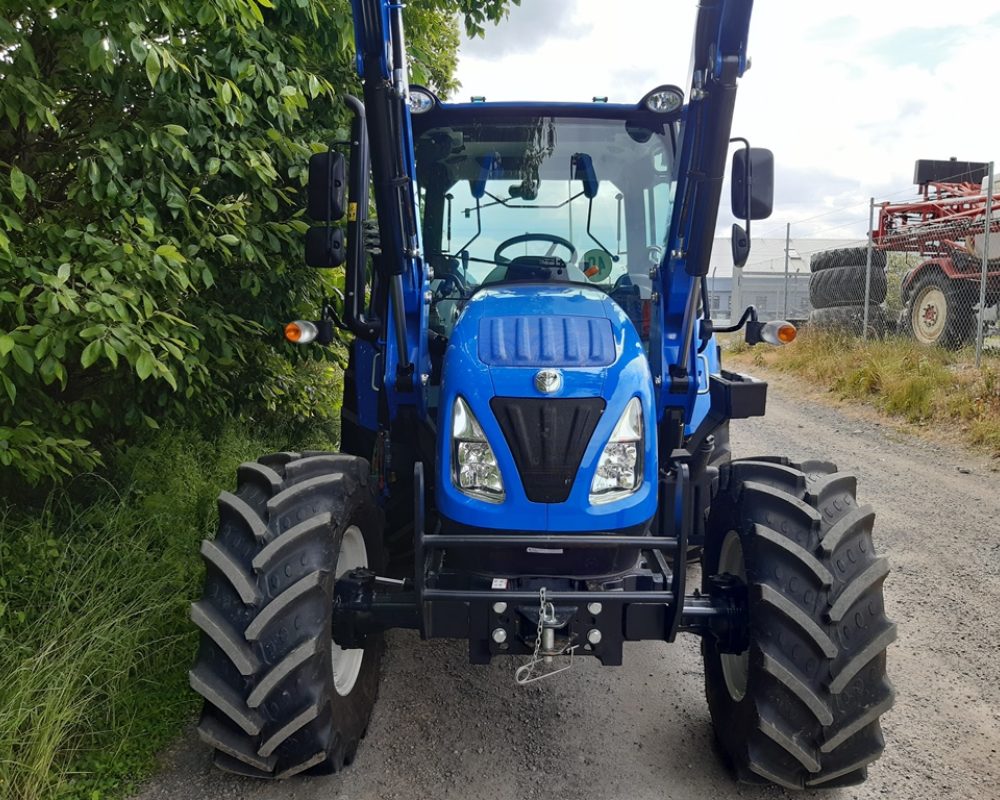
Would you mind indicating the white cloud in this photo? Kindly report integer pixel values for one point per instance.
(848, 95)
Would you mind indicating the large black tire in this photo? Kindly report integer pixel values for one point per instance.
(814, 681)
(940, 311)
(850, 319)
(265, 665)
(845, 286)
(846, 257)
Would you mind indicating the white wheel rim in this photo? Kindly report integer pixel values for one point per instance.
(735, 667)
(929, 315)
(347, 663)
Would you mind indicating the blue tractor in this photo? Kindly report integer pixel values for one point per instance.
(535, 436)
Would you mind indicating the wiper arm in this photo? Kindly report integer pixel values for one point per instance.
(507, 204)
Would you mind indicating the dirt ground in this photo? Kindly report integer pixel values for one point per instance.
(445, 729)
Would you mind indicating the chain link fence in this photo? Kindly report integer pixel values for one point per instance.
(930, 270)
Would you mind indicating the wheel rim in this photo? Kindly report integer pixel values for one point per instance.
(735, 666)
(347, 663)
(929, 315)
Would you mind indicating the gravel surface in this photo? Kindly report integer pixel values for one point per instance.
(445, 729)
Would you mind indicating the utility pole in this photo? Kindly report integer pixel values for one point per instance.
(788, 239)
(868, 268)
(987, 228)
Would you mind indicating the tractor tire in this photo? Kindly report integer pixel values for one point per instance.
(847, 257)
(940, 312)
(850, 319)
(845, 286)
(280, 697)
(800, 707)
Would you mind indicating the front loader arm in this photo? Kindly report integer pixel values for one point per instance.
(718, 59)
(381, 63)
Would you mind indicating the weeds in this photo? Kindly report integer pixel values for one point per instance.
(922, 385)
(94, 637)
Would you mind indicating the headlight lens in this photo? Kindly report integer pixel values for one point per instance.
(475, 471)
(619, 470)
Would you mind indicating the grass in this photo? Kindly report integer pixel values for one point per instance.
(924, 386)
(94, 637)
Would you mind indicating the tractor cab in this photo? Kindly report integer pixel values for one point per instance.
(544, 194)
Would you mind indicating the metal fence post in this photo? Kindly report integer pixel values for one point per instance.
(980, 325)
(788, 239)
(868, 269)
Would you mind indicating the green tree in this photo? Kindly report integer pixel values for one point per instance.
(152, 157)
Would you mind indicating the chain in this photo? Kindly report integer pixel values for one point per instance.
(526, 673)
(541, 623)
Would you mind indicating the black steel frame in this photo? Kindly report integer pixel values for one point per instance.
(655, 607)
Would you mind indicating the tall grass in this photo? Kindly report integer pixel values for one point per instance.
(94, 637)
(923, 385)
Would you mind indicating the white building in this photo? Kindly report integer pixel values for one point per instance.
(763, 281)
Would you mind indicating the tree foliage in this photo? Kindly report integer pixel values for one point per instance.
(152, 158)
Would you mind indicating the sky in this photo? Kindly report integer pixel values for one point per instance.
(847, 94)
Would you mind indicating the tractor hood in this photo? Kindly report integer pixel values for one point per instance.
(547, 373)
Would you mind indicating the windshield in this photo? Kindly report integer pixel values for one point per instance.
(543, 199)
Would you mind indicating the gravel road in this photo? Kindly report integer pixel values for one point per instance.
(445, 729)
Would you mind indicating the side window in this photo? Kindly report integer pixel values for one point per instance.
(658, 201)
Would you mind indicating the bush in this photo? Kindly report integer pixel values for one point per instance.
(152, 156)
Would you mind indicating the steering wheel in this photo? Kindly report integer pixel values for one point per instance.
(551, 238)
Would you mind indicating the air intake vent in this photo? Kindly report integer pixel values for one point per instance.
(547, 438)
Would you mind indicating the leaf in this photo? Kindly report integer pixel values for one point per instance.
(207, 277)
(111, 353)
(228, 238)
(22, 357)
(63, 273)
(144, 366)
(176, 130)
(17, 183)
(170, 253)
(6, 345)
(91, 353)
(152, 67)
(138, 49)
(9, 387)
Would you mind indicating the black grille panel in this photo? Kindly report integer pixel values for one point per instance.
(547, 438)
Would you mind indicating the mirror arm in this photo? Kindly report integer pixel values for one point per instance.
(590, 211)
(479, 227)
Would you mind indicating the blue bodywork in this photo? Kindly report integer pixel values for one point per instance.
(543, 316)
(670, 372)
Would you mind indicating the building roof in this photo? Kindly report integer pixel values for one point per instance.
(768, 255)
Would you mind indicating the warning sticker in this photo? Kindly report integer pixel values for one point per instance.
(499, 583)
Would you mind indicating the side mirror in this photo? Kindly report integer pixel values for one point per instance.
(583, 171)
(324, 246)
(753, 183)
(741, 246)
(327, 191)
(477, 186)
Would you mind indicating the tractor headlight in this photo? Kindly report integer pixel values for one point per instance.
(619, 470)
(475, 471)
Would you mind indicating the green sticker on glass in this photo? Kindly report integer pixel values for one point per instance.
(596, 265)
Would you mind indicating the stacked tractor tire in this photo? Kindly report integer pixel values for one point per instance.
(837, 291)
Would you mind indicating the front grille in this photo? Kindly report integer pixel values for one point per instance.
(547, 438)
